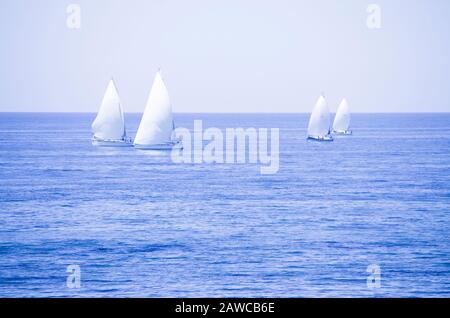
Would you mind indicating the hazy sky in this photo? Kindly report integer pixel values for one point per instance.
(226, 56)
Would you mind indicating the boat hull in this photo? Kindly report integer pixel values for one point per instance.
(164, 146)
(343, 132)
(112, 143)
(320, 138)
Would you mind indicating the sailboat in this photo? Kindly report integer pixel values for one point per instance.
(319, 122)
(342, 120)
(156, 129)
(108, 127)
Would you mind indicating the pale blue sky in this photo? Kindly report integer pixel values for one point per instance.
(226, 56)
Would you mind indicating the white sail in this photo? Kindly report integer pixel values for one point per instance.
(109, 123)
(342, 119)
(157, 123)
(319, 123)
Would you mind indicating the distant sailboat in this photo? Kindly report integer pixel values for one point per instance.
(342, 120)
(319, 122)
(108, 127)
(155, 131)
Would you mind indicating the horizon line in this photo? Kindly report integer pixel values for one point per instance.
(219, 113)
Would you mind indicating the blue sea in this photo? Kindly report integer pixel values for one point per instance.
(139, 225)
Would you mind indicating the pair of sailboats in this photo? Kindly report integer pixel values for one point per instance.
(155, 131)
(319, 122)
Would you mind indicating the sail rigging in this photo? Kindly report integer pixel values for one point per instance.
(342, 119)
(319, 122)
(157, 121)
(109, 123)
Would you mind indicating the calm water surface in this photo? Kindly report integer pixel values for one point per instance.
(139, 225)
